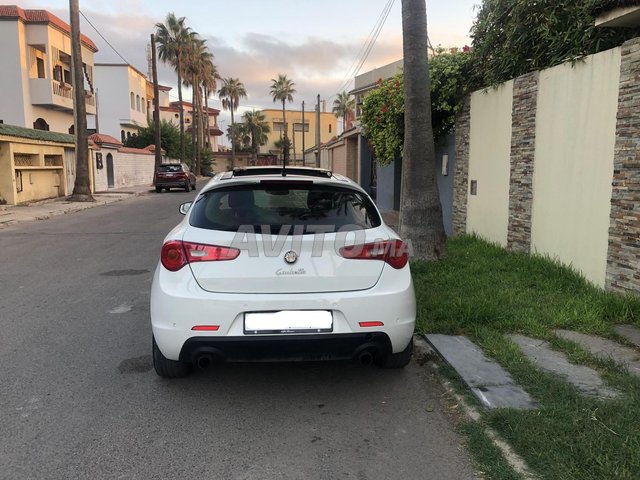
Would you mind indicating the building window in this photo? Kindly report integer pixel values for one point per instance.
(123, 136)
(329, 128)
(298, 127)
(128, 135)
(41, 124)
(67, 77)
(40, 65)
(143, 106)
(72, 130)
(278, 127)
(133, 101)
(138, 103)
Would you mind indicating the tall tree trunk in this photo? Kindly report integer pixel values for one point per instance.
(285, 150)
(82, 186)
(208, 126)
(200, 138)
(182, 143)
(420, 210)
(233, 143)
(194, 124)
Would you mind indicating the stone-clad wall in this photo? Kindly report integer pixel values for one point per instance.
(523, 147)
(623, 262)
(461, 176)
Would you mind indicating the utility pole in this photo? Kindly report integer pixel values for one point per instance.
(156, 103)
(82, 186)
(303, 133)
(318, 132)
(293, 135)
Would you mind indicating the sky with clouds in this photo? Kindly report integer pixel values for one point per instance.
(314, 42)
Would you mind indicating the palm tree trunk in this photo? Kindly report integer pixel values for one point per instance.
(200, 139)
(233, 143)
(193, 130)
(420, 210)
(285, 151)
(179, 71)
(82, 186)
(206, 116)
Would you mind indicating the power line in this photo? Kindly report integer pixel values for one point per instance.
(102, 37)
(364, 44)
(367, 47)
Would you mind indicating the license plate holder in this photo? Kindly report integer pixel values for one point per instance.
(288, 321)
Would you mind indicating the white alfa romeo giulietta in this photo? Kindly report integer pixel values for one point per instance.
(280, 265)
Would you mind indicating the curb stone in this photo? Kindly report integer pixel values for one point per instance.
(517, 463)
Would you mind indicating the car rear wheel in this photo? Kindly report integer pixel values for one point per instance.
(158, 189)
(395, 360)
(168, 368)
(187, 187)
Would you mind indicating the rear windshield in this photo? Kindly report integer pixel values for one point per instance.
(284, 209)
(170, 168)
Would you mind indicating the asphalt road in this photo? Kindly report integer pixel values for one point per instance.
(79, 397)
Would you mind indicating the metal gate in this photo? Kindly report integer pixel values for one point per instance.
(70, 168)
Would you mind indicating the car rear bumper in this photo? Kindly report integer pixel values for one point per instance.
(172, 183)
(178, 304)
(285, 347)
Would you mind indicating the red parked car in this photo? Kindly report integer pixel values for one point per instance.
(174, 175)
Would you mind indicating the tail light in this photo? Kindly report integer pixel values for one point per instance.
(176, 254)
(394, 252)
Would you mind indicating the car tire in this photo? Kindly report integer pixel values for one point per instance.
(395, 360)
(158, 189)
(193, 187)
(166, 368)
(187, 187)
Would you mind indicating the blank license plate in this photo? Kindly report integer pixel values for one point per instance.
(288, 321)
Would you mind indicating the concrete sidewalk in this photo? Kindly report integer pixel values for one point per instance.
(42, 210)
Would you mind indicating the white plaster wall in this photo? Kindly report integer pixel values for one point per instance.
(59, 121)
(575, 140)
(12, 84)
(113, 97)
(132, 169)
(100, 176)
(489, 163)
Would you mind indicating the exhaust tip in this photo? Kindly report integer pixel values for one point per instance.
(365, 358)
(204, 361)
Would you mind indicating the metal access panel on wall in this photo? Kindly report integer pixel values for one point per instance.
(70, 168)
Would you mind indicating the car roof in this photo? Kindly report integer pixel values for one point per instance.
(251, 175)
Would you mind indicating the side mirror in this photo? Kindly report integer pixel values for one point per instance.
(184, 208)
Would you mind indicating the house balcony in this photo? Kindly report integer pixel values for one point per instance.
(58, 96)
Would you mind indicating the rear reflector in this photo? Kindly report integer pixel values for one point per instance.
(176, 254)
(394, 252)
(371, 324)
(206, 328)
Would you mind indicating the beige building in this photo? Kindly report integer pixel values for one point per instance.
(170, 111)
(36, 75)
(35, 165)
(328, 130)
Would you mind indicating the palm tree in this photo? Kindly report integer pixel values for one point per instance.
(209, 82)
(257, 128)
(343, 106)
(420, 209)
(197, 61)
(230, 93)
(173, 37)
(282, 90)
